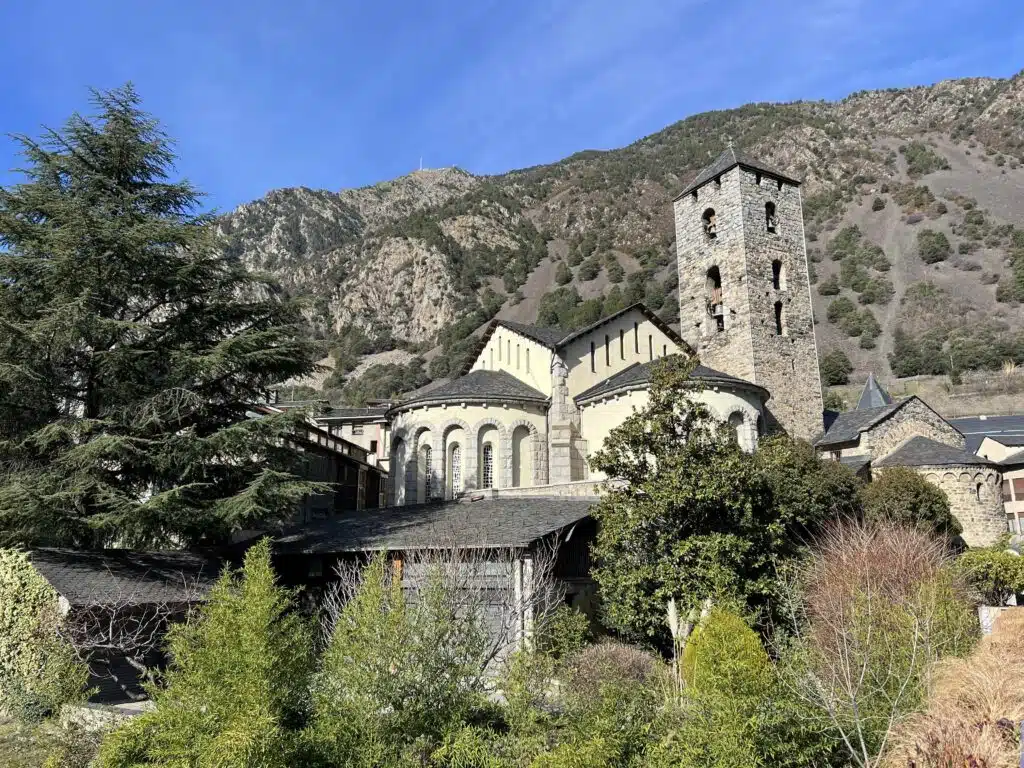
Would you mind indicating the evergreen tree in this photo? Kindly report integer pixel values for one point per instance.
(132, 349)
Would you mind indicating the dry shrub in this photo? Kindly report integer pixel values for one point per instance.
(610, 664)
(974, 707)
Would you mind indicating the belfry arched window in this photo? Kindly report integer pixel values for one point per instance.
(713, 295)
(710, 223)
(427, 472)
(771, 221)
(488, 466)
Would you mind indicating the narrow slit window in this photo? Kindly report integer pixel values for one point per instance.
(607, 351)
(779, 327)
(517, 357)
(499, 349)
(527, 359)
(777, 282)
(650, 347)
(664, 350)
(636, 338)
(622, 344)
(771, 221)
(593, 362)
(508, 351)
(488, 469)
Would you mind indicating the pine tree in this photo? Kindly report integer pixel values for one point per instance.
(132, 350)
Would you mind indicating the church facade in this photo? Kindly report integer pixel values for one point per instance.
(533, 403)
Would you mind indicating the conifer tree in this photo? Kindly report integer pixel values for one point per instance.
(132, 349)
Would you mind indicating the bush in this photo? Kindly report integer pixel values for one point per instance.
(901, 495)
(38, 670)
(877, 204)
(833, 401)
(237, 685)
(997, 574)
(835, 368)
(921, 160)
(839, 308)
(829, 287)
(589, 269)
(616, 272)
(563, 275)
(932, 246)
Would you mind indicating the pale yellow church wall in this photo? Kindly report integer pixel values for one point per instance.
(597, 420)
(524, 358)
(641, 341)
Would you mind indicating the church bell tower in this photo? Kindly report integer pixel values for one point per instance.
(744, 289)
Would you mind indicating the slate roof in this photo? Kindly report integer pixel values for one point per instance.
(640, 373)
(487, 524)
(925, 452)
(639, 306)
(846, 427)
(873, 395)
(855, 463)
(549, 337)
(479, 385)
(354, 413)
(1000, 428)
(98, 577)
(730, 158)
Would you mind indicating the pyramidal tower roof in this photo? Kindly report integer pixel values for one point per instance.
(729, 159)
(873, 395)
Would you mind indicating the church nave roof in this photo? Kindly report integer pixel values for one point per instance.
(638, 376)
(478, 385)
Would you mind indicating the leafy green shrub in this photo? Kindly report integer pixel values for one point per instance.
(562, 274)
(829, 287)
(833, 401)
(835, 368)
(615, 272)
(878, 204)
(839, 308)
(996, 573)
(901, 495)
(237, 686)
(921, 160)
(933, 246)
(589, 269)
(39, 671)
(844, 243)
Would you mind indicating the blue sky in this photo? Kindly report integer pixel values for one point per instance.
(271, 93)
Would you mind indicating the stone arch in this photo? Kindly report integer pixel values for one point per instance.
(502, 477)
(710, 222)
(529, 453)
(744, 422)
(442, 455)
(424, 477)
(399, 468)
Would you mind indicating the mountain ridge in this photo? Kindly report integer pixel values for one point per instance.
(931, 177)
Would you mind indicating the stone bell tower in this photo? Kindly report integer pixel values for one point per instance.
(744, 290)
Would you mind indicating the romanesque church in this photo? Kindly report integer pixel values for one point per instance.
(521, 419)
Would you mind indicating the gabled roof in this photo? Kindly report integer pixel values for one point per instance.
(549, 337)
(101, 577)
(478, 385)
(925, 452)
(556, 338)
(873, 395)
(639, 375)
(847, 426)
(855, 463)
(487, 524)
(729, 159)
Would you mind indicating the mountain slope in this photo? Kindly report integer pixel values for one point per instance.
(930, 178)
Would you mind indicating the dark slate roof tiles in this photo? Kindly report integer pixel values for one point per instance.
(549, 337)
(355, 413)
(640, 373)
(99, 577)
(479, 385)
(873, 395)
(487, 524)
(846, 427)
(1001, 428)
(925, 452)
(729, 159)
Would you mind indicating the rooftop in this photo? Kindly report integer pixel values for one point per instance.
(495, 523)
(478, 385)
(729, 159)
(873, 395)
(999, 428)
(847, 426)
(105, 576)
(639, 374)
(342, 414)
(549, 337)
(925, 452)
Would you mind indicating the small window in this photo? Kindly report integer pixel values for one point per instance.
(779, 327)
(593, 363)
(977, 491)
(373, 446)
(694, 195)
(499, 349)
(636, 338)
(607, 351)
(488, 468)
(770, 220)
(713, 295)
(777, 280)
(1007, 493)
(527, 359)
(718, 181)
(664, 350)
(622, 344)
(427, 473)
(779, 183)
(757, 179)
(491, 355)
(357, 429)
(710, 223)
(508, 351)
(650, 347)
(517, 357)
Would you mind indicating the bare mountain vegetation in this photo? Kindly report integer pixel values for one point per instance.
(913, 200)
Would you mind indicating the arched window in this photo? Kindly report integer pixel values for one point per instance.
(736, 421)
(780, 327)
(427, 472)
(710, 224)
(455, 469)
(778, 276)
(713, 296)
(770, 220)
(488, 466)
(977, 491)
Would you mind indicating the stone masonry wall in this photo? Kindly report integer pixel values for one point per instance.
(743, 250)
(974, 499)
(912, 420)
